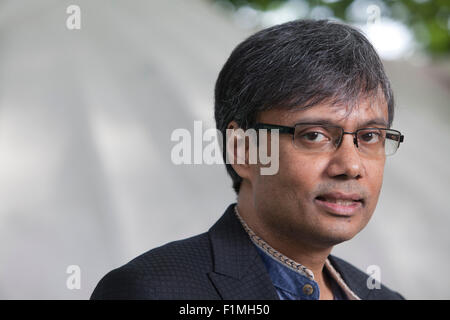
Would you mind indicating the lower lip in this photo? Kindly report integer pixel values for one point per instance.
(339, 209)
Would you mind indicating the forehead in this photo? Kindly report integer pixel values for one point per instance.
(363, 111)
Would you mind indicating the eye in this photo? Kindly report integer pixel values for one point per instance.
(370, 136)
(314, 136)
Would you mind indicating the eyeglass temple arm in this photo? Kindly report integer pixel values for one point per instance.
(282, 129)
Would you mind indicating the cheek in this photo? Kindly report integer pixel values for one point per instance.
(299, 173)
(376, 171)
(374, 178)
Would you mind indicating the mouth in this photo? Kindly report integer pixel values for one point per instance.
(339, 204)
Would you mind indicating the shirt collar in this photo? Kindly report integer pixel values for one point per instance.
(291, 264)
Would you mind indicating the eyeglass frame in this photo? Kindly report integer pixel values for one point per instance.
(291, 130)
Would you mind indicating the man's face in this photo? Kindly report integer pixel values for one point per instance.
(297, 204)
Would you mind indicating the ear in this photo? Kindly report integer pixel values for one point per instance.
(238, 145)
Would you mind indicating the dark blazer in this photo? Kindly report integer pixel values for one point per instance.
(219, 264)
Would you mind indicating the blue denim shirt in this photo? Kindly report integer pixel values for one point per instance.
(292, 285)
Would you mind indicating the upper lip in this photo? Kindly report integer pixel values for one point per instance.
(342, 196)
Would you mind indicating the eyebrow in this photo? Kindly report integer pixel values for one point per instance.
(323, 121)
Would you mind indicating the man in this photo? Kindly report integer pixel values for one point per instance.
(321, 86)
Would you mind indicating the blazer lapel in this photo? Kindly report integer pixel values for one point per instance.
(239, 272)
(356, 281)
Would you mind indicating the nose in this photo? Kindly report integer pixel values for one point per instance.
(346, 161)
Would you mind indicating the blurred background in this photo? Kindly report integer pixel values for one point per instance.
(86, 116)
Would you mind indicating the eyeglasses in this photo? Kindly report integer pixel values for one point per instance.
(315, 138)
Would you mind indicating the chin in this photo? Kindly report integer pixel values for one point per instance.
(328, 242)
(334, 240)
(336, 236)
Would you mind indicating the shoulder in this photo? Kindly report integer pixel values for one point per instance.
(357, 282)
(161, 273)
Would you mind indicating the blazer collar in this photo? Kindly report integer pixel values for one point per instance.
(239, 272)
(355, 280)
